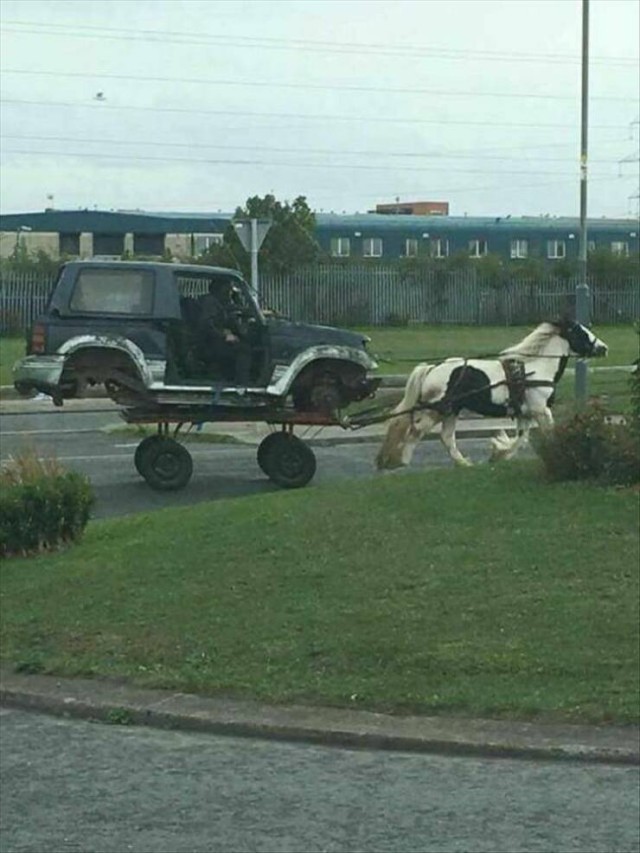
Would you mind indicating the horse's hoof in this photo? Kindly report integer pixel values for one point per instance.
(464, 463)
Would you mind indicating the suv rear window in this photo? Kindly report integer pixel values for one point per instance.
(113, 291)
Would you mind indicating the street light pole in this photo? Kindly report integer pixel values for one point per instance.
(582, 288)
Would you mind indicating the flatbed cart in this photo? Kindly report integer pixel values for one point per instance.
(166, 464)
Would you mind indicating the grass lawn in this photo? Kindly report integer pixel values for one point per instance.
(398, 349)
(11, 349)
(481, 591)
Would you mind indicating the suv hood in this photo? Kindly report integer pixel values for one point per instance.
(305, 334)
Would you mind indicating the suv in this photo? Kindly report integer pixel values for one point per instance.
(136, 328)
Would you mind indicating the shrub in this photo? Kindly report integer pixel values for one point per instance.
(590, 446)
(42, 506)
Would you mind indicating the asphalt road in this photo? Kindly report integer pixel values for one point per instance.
(77, 439)
(71, 785)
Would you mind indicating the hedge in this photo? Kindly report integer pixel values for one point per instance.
(43, 514)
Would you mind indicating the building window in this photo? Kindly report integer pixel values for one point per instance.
(519, 248)
(148, 244)
(372, 247)
(439, 248)
(620, 248)
(411, 248)
(478, 248)
(108, 244)
(69, 244)
(340, 247)
(203, 242)
(556, 249)
(113, 291)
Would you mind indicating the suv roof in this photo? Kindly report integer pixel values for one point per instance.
(199, 269)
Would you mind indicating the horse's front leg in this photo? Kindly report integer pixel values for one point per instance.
(504, 447)
(544, 418)
(448, 438)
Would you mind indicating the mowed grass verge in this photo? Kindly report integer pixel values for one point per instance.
(11, 349)
(482, 591)
(399, 348)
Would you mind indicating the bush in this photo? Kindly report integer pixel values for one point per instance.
(41, 505)
(590, 446)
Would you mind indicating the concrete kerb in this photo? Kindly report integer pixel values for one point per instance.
(114, 702)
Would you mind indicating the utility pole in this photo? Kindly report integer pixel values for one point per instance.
(582, 288)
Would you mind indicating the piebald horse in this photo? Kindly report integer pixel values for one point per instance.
(518, 383)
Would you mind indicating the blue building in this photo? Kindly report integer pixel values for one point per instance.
(386, 237)
(391, 236)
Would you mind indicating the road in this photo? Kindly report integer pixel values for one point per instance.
(78, 441)
(70, 785)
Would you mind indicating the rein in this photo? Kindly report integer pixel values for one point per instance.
(527, 383)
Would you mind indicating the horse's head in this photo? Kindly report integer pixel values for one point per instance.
(581, 340)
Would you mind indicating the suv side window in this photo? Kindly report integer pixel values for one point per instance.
(112, 291)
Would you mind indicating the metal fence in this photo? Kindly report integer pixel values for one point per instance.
(367, 296)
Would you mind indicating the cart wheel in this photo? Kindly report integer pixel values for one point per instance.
(142, 449)
(288, 461)
(263, 449)
(166, 465)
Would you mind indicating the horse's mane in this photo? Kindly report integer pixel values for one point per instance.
(533, 343)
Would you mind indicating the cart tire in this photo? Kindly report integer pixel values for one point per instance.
(263, 449)
(166, 465)
(288, 461)
(142, 449)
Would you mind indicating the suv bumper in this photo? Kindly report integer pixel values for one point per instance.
(37, 373)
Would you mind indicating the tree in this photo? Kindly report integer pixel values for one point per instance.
(290, 242)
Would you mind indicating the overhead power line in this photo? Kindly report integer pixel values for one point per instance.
(303, 116)
(299, 45)
(328, 152)
(276, 84)
(261, 162)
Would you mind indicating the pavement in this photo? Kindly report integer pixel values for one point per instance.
(116, 702)
(112, 701)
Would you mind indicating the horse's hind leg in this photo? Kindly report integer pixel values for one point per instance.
(403, 435)
(421, 425)
(448, 438)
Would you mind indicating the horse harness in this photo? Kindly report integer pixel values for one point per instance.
(517, 381)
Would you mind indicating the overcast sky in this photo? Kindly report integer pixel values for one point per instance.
(195, 105)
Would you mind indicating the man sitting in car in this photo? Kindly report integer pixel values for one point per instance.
(221, 345)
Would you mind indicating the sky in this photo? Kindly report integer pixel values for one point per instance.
(196, 105)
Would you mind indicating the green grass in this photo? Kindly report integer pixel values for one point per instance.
(481, 591)
(192, 437)
(400, 348)
(11, 349)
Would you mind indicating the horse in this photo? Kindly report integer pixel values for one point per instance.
(519, 383)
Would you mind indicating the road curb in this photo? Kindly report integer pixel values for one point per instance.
(118, 703)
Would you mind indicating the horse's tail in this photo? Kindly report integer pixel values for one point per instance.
(413, 388)
(401, 420)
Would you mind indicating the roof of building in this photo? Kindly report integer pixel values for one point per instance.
(116, 222)
(510, 224)
(145, 222)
